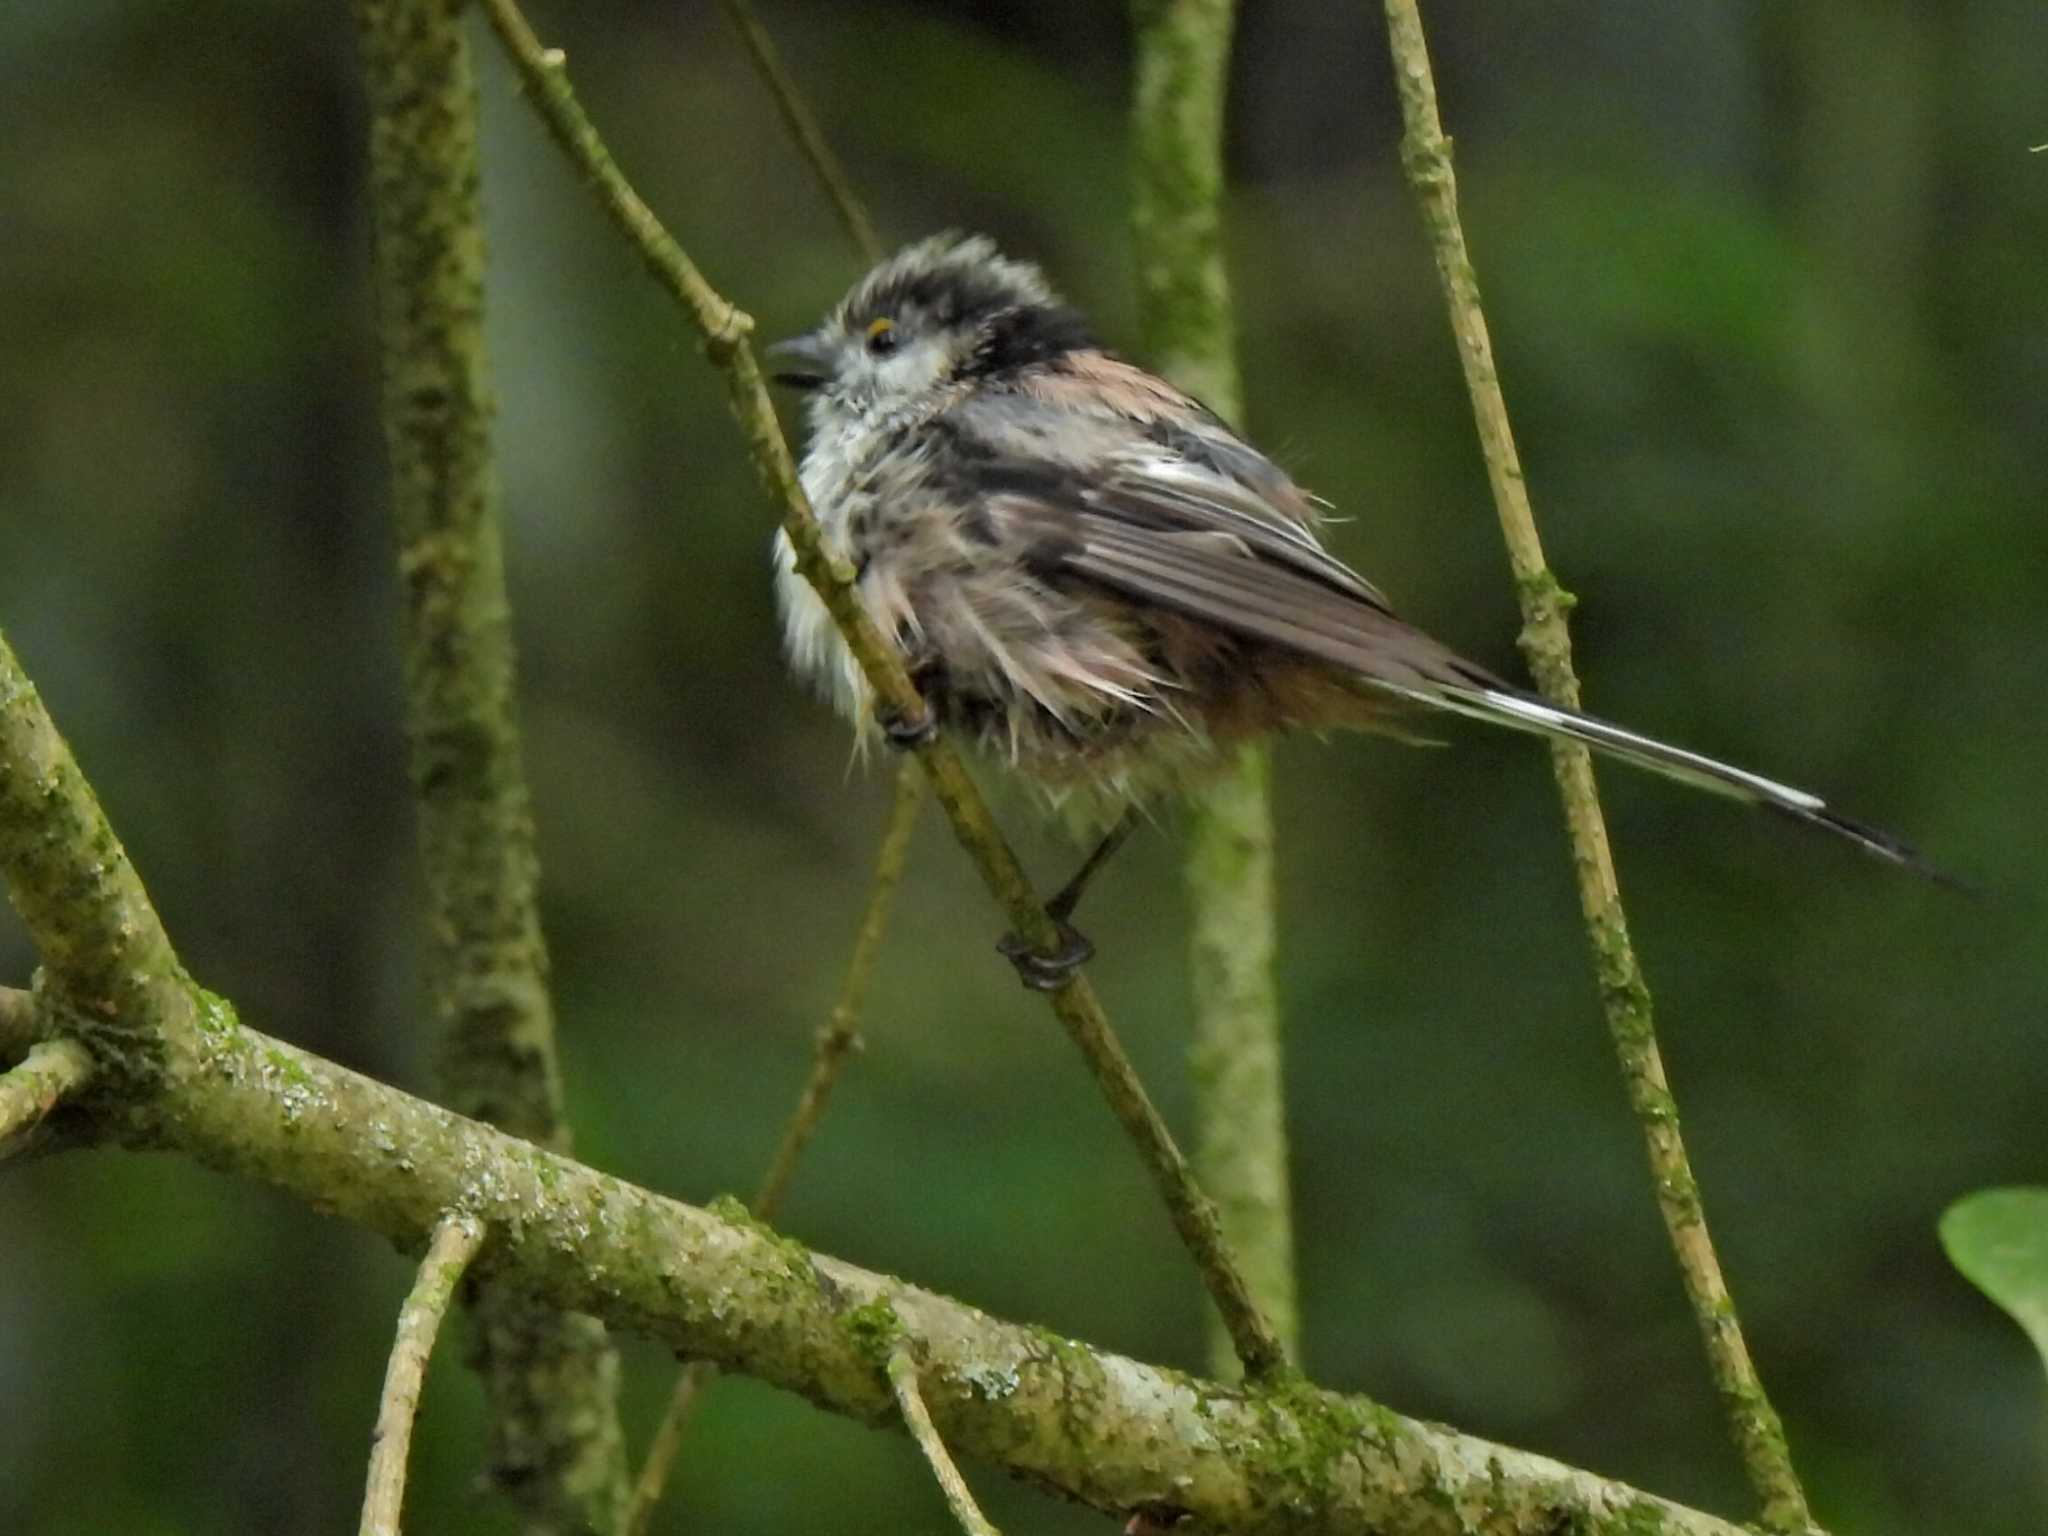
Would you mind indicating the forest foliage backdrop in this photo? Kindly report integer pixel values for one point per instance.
(1765, 285)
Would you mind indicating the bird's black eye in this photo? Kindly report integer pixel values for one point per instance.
(882, 337)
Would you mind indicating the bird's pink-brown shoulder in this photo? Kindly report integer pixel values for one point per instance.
(1093, 380)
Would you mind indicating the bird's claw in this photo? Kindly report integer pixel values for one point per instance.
(906, 733)
(1043, 972)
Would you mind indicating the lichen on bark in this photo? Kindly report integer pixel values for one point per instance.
(1240, 1150)
(555, 1443)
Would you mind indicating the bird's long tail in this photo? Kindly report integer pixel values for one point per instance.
(1525, 712)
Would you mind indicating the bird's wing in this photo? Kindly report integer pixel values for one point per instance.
(1246, 586)
(1176, 514)
(1146, 452)
(1192, 486)
(1139, 490)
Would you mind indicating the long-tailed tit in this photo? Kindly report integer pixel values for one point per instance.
(1093, 578)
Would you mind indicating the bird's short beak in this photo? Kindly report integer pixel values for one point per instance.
(805, 361)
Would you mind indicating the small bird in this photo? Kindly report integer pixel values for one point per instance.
(1094, 579)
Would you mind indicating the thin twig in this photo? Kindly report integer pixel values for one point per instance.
(52, 1072)
(959, 1498)
(803, 128)
(454, 1244)
(837, 1040)
(724, 329)
(1759, 1436)
(667, 1440)
(1184, 310)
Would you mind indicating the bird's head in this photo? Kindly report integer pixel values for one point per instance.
(945, 311)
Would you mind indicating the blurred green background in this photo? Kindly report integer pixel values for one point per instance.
(1767, 289)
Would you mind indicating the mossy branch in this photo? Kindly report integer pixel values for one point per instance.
(1546, 642)
(555, 1444)
(1184, 310)
(1104, 1430)
(1107, 1431)
(724, 329)
(107, 961)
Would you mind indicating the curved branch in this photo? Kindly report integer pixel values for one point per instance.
(724, 329)
(918, 1420)
(455, 1242)
(1625, 997)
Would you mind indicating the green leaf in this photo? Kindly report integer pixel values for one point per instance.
(1998, 1238)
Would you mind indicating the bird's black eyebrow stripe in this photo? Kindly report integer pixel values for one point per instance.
(1023, 329)
(1035, 333)
(948, 294)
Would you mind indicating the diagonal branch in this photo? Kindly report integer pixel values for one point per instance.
(1545, 641)
(724, 329)
(555, 1444)
(455, 1242)
(839, 1037)
(107, 961)
(803, 128)
(1185, 316)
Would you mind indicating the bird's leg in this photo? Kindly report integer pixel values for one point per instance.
(908, 732)
(1047, 973)
(1068, 896)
